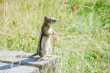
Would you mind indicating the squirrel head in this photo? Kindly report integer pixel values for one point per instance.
(49, 20)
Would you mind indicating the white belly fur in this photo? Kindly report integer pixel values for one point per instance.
(46, 44)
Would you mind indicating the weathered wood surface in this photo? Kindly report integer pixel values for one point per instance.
(10, 63)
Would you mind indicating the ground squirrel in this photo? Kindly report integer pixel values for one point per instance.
(46, 38)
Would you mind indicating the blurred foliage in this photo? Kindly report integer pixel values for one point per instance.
(84, 31)
(100, 9)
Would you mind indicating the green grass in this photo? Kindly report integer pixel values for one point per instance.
(84, 33)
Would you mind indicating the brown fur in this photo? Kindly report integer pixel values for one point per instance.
(46, 38)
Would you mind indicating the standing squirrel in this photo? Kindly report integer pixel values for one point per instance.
(46, 38)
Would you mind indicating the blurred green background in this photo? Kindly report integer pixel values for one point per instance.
(83, 44)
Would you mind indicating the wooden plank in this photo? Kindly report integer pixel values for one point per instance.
(10, 62)
(8, 68)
